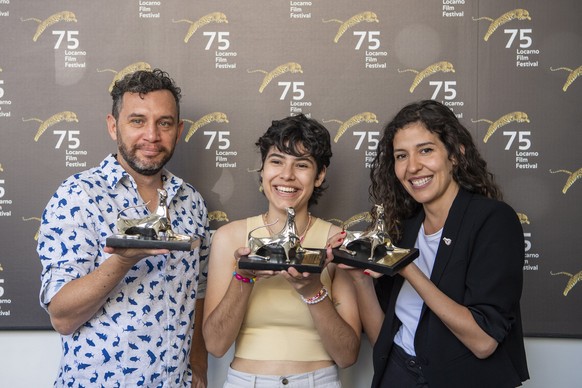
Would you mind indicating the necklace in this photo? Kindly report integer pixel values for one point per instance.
(301, 235)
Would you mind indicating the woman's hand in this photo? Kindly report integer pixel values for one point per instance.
(306, 284)
(357, 274)
(251, 273)
(337, 239)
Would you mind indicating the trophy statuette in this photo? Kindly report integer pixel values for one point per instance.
(152, 232)
(282, 250)
(373, 249)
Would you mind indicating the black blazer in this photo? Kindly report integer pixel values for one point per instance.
(479, 264)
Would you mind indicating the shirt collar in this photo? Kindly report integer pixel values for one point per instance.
(116, 174)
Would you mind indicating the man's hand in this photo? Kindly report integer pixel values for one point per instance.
(130, 256)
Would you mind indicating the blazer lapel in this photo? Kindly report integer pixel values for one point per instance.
(450, 233)
(448, 238)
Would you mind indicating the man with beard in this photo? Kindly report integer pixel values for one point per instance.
(127, 317)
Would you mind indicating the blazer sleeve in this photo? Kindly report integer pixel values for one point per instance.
(495, 272)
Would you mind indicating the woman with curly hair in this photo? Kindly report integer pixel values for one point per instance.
(452, 317)
(289, 328)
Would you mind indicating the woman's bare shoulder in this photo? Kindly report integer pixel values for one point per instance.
(233, 230)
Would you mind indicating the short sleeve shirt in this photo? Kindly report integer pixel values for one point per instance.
(142, 334)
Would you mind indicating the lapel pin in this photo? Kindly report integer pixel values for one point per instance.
(447, 240)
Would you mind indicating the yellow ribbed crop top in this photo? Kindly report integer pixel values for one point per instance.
(278, 324)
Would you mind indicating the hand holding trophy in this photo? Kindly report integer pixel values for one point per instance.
(373, 249)
(153, 231)
(282, 250)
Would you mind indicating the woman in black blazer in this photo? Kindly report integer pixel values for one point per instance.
(452, 317)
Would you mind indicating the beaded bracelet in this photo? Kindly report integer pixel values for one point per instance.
(243, 279)
(319, 297)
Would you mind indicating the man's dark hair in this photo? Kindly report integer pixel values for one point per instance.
(143, 82)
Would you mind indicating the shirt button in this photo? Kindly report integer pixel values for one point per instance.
(284, 381)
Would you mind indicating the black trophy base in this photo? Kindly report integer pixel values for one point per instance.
(138, 242)
(311, 260)
(385, 261)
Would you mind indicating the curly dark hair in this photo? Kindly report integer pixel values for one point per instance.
(143, 82)
(299, 136)
(469, 171)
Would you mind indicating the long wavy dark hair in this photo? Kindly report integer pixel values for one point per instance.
(299, 136)
(469, 171)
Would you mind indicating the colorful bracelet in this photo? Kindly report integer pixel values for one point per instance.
(319, 297)
(243, 279)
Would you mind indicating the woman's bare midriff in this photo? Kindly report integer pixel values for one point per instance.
(280, 368)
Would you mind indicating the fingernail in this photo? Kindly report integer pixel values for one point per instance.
(367, 272)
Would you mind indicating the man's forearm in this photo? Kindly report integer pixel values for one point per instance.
(81, 298)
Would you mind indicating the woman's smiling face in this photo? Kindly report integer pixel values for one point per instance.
(423, 167)
(288, 181)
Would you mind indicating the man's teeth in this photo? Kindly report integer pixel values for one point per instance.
(286, 189)
(420, 182)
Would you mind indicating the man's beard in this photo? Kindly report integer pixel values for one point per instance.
(139, 166)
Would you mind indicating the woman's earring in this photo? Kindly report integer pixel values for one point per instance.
(261, 188)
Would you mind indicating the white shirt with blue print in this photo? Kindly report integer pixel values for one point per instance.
(142, 334)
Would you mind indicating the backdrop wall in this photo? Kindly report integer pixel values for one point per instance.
(508, 69)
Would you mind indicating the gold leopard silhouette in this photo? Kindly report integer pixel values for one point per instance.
(571, 77)
(38, 229)
(125, 71)
(217, 215)
(218, 117)
(65, 16)
(289, 67)
(54, 119)
(367, 117)
(573, 177)
(353, 220)
(523, 218)
(519, 14)
(574, 279)
(366, 16)
(443, 66)
(214, 17)
(519, 117)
